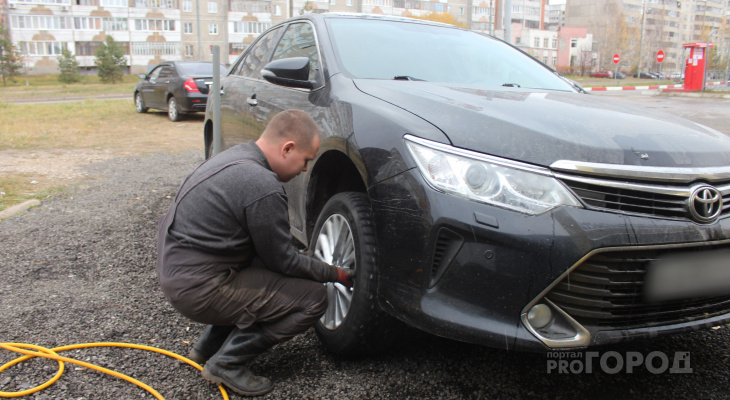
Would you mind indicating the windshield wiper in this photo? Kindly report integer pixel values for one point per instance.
(511, 84)
(406, 78)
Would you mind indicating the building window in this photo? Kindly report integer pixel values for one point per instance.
(114, 3)
(574, 43)
(156, 48)
(154, 25)
(189, 50)
(42, 48)
(461, 10)
(115, 24)
(555, 60)
(212, 7)
(39, 22)
(537, 42)
(545, 43)
(332, 2)
(555, 43)
(277, 10)
(213, 29)
(349, 3)
(187, 6)
(545, 59)
(188, 27)
(249, 27)
(87, 23)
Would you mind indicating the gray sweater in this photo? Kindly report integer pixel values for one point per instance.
(237, 214)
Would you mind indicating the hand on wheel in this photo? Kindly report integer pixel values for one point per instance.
(344, 278)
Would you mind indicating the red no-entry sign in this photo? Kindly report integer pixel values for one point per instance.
(616, 58)
(660, 56)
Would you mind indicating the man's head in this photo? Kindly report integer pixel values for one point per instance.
(289, 142)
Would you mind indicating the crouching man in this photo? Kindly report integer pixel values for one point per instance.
(225, 255)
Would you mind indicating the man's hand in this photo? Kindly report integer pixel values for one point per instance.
(344, 278)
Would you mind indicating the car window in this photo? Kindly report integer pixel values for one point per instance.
(389, 49)
(154, 74)
(299, 41)
(258, 55)
(198, 69)
(166, 72)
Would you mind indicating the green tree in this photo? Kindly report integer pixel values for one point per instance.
(10, 59)
(69, 67)
(110, 61)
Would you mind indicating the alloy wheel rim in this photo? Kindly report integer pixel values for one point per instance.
(335, 245)
(173, 109)
(139, 102)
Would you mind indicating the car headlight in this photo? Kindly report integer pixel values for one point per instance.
(478, 177)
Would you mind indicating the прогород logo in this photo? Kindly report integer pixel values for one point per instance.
(613, 362)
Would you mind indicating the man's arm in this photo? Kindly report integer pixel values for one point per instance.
(267, 220)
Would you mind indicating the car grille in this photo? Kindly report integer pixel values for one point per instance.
(606, 292)
(638, 198)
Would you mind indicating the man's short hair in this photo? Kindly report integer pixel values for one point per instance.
(293, 125)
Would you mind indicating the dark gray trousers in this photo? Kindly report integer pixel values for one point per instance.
(281, 306)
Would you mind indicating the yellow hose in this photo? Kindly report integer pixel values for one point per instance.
(51, 353)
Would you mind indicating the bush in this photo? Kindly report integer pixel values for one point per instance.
(69, 67)
(110, 61)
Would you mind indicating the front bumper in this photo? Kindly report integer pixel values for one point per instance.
(472, 272)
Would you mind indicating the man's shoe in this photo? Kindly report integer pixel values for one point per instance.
(241, 381)
(209, 343)
(229, 365)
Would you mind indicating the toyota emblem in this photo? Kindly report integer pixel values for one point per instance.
(705, 204)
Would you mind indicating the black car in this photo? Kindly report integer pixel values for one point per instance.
(178, 87)
(479, 195)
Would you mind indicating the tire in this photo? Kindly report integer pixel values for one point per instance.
(139, 103)
(173, 110)
(344, 235)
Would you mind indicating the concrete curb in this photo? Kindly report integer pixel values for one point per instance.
(652, 87)
(18, 208)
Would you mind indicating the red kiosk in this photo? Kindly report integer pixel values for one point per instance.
(694, 74)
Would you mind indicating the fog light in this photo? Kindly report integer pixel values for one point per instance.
(539, 316)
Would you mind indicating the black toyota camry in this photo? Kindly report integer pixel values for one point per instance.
(481, 196)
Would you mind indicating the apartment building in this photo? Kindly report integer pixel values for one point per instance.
(667, 25)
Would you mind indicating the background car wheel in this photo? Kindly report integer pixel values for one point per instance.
(173, 110)
(344, 236)
(139, 103)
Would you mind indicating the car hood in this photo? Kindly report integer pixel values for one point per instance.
(541, 127)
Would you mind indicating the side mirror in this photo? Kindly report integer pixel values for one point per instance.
(143, 76)
(290, 72)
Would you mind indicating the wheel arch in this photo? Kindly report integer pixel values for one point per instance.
(333, 173)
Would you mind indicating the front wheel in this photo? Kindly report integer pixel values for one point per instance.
(139, 103)
(173, 110)
(344, 236)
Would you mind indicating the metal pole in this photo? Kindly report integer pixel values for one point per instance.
(197, 15)
(641, 37)
(707, 58)
(508, 21)
(214, 95)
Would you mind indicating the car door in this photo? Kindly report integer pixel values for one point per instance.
(299, 40)
(162, 83)
(239, 88)
(148, 88)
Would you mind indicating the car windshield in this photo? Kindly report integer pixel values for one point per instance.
(377, 49)
(198, 69)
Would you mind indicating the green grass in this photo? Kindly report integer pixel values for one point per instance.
(62, 125)
(17, 188)
(100, 128)
(49, 86)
